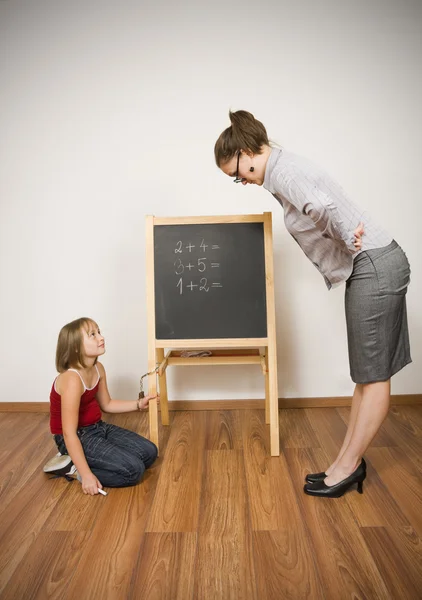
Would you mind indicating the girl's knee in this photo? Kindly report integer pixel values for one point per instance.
(151, 453)
(136, 472)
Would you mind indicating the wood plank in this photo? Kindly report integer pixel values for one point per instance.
(75, 511)
(410, 544)
(47, 567)
(18, 428)
(18, 467)
(111, 552)
(218, 352)
(201, 344)
(402, 574)
(222, 352)
(402, 480)
(23, 520)
(366, 507)
(166, 567)
(224, 565)
(215, 404)
(272, 337)
(272, 501)
(153, 404)
(150, 301)
(404, 426)
(199, 220)
(181, 475)
(223, 430)
(330, 431)
(412, 413)
(264, 503)
(285, 566)
(296, 430)
(162, 387)
(213, 361)
(346, 567)
(264, 357)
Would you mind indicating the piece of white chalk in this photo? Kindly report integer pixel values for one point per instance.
(102, 492)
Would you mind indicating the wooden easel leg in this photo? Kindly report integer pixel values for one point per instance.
(162, 383)
(267, 393)
(264, 358)
(273, 394)
(272, 351)
(152, 390)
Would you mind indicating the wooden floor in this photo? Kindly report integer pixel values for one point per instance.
(216, 517)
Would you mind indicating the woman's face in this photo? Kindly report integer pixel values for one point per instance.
(240, 166)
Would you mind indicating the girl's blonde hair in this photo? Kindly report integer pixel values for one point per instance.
(69, 352)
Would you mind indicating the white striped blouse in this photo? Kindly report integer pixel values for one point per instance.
(319, 215)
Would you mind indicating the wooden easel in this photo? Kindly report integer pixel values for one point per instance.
(234, 351)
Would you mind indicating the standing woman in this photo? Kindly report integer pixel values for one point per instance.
(345, 245)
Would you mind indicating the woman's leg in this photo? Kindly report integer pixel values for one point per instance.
(356, 400)
(372, 411)
(378, 343)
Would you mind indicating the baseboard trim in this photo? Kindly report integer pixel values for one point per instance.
(31, 407)
(331, 402)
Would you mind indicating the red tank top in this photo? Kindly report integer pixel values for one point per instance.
(89, 409)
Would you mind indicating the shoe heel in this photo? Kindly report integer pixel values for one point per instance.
(360, 487)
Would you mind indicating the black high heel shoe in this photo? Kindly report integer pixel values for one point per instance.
(335, 491)
(315, 477)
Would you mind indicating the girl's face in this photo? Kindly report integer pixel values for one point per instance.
(93, 341)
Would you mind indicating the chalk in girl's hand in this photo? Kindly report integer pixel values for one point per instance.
(102, 492)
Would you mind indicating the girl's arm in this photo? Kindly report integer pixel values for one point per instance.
(70, 388)
(109, 405)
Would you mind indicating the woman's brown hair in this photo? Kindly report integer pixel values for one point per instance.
(69, 352)
(245, 133)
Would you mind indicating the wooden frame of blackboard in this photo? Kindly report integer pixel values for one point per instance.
(266, 352)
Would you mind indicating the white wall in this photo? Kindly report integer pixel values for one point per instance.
(110, 111)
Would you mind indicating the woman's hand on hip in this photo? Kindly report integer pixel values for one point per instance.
(358, 233)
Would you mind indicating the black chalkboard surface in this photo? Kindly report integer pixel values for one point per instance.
(210, 281)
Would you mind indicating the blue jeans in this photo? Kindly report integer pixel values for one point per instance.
(117, 457)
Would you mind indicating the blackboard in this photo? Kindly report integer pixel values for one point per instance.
(210, 281)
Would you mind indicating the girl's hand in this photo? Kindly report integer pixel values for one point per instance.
(358, 233)
(90, 484)
(143, 402)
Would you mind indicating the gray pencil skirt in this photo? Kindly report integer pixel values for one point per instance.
(376, 316)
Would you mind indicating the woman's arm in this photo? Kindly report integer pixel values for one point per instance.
(109, 405)
(308, 199)
(71, 390)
